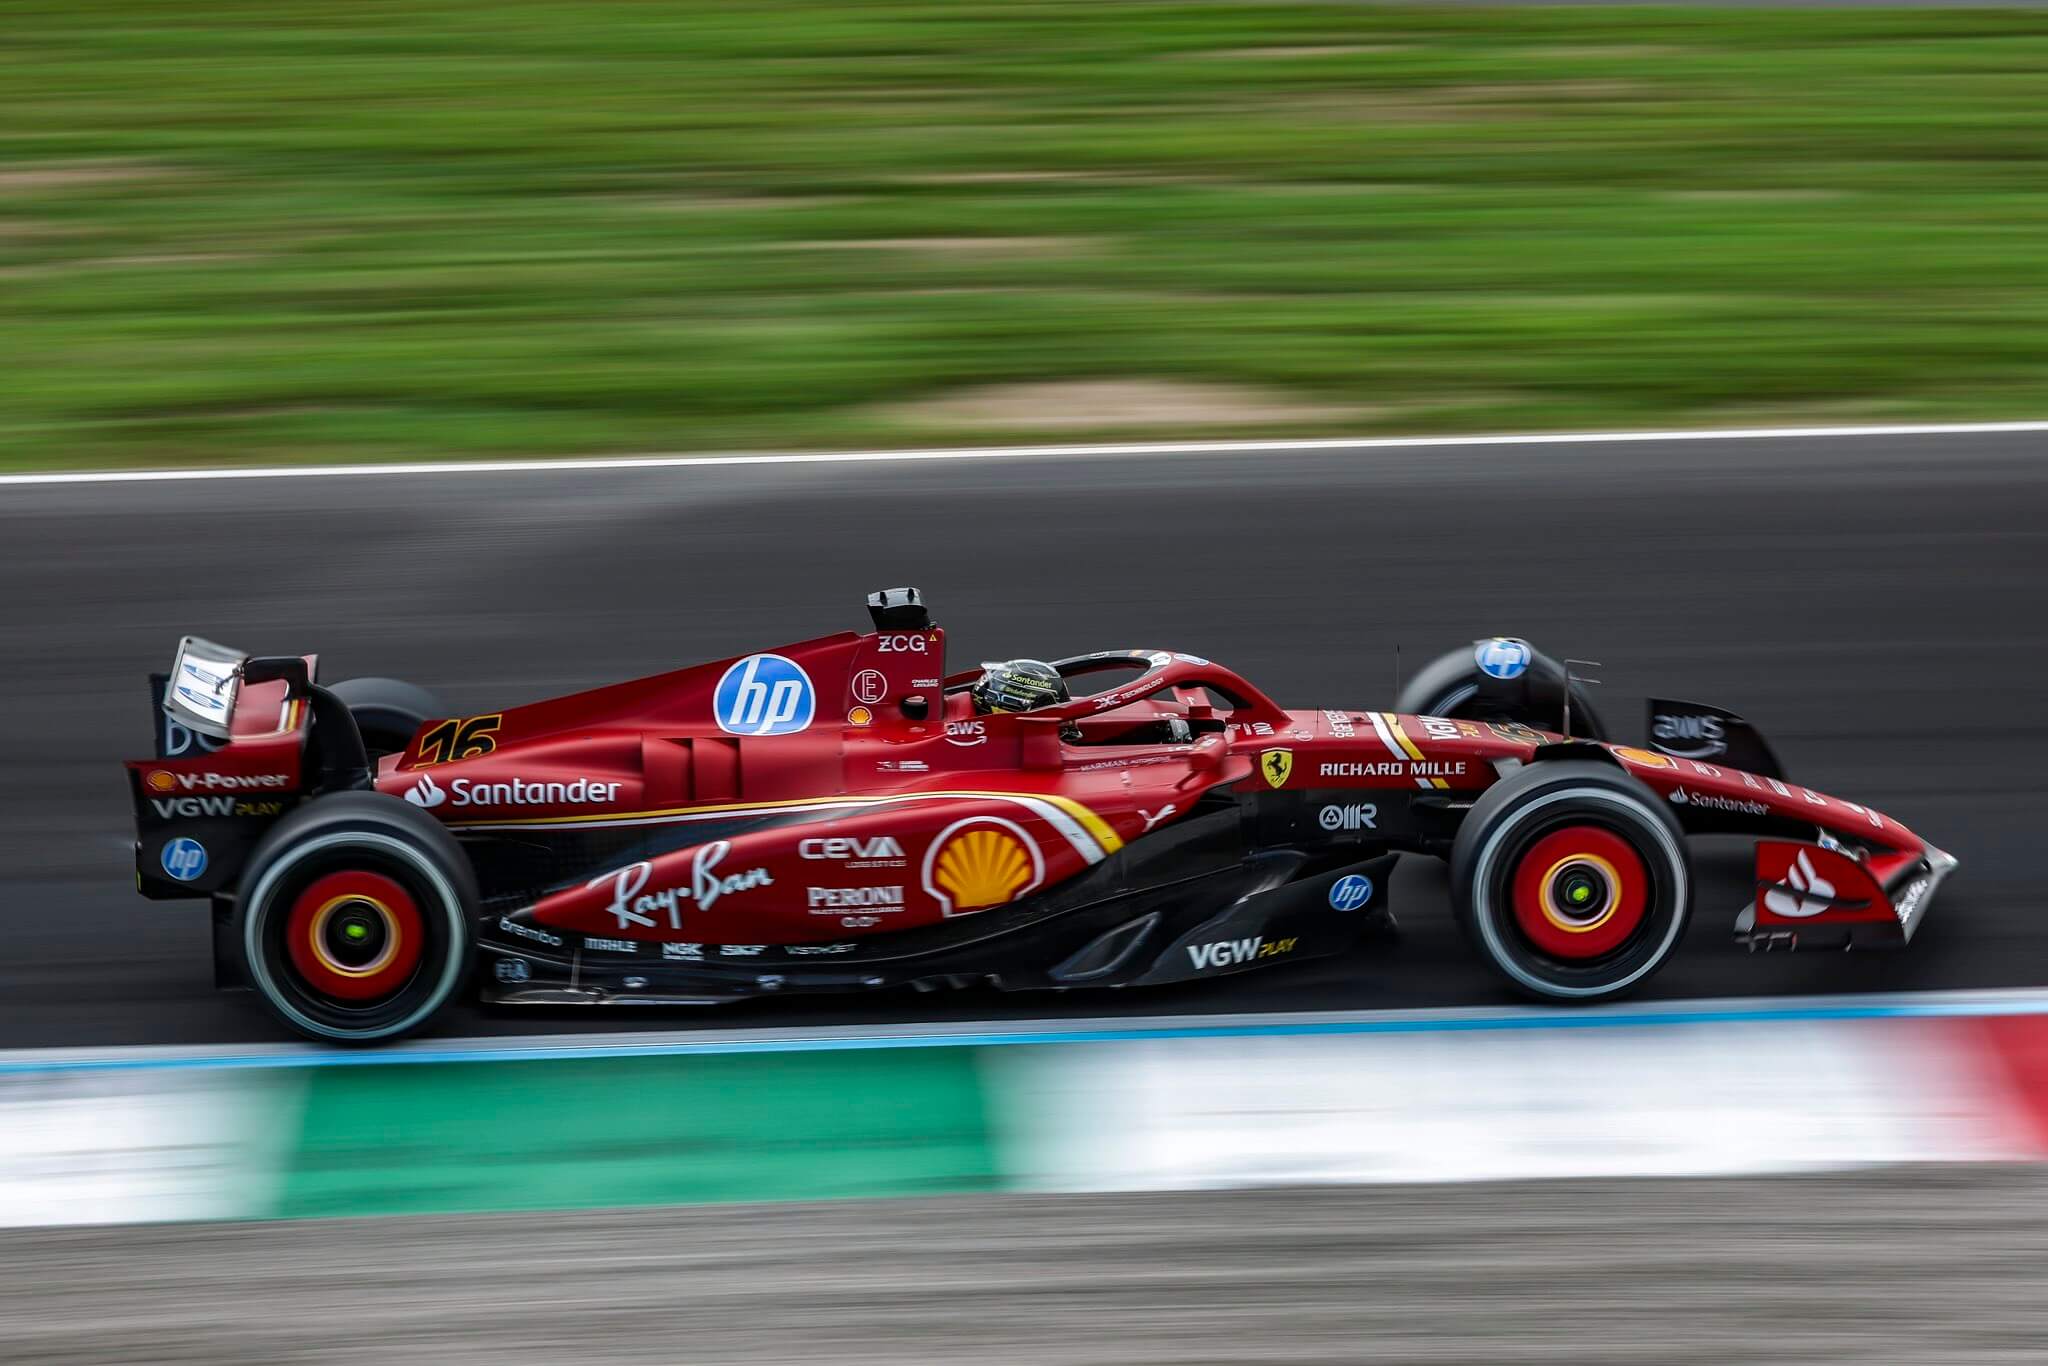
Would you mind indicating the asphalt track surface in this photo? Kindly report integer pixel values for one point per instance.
(1875, 604)
(1939, 1266)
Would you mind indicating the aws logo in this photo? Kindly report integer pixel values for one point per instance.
(980, 862)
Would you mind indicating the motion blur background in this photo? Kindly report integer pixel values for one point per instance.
(280, 235)
(407, 230)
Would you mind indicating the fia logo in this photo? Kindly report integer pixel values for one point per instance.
(764, 695)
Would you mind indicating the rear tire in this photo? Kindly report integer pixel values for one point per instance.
(388, 712)
(354, 920)
(1572, 880)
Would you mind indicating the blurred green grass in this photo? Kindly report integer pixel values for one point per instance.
(319, 231)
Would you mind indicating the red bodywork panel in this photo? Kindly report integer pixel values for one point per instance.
(841, 791)
(1801, 883)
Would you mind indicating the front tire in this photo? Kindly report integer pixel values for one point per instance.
(1572, 880)
(355, 921)
(1452, 685)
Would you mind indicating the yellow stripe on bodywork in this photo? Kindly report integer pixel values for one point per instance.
(1092, 823)
(1401, 737)
(1098, 828)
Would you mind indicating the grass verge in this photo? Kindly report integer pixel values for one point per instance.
(324, 231)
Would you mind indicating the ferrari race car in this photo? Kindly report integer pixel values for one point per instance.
(839, 815)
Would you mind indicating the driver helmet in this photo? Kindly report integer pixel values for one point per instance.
(1017, 685)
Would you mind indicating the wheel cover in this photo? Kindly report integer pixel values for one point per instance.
(354, 935)
(1580, 893)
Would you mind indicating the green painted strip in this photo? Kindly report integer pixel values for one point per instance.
(639, 1131)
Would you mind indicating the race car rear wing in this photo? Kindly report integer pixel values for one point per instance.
(205, 680)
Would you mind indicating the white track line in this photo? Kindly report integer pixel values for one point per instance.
(989, 1033)
(1118, 451)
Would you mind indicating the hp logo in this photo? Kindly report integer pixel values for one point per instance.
(764, 695)
(1503, 657)
(1350, 892)
(184, 859)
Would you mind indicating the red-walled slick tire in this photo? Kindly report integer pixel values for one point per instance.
(354, 918)
(1572, 880)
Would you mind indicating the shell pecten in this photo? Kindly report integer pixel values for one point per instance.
(983, 867)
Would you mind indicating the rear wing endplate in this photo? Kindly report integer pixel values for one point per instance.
(205, 680)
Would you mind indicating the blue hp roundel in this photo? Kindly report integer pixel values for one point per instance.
(184, 859)
(1350, 892)
(764, 695)
(1503, 657)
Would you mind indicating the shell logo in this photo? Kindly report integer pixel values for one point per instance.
(980, 862)
(161, 780)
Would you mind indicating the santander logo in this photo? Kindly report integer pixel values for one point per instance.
(511, 792)
(1810, 895)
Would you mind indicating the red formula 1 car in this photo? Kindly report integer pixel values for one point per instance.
(838, 815)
